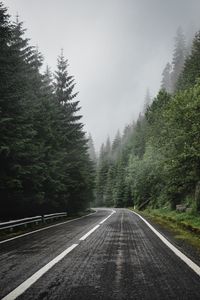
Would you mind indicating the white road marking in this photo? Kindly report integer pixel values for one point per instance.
(108, 217)
(27, 283)
(89, 232)
(31, 280)
(182, 256)
(97, 226)
(41, 229)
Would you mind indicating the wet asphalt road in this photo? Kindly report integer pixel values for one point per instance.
(122, 259)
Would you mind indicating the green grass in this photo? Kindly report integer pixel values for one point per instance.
(190, 221)
(184, 226)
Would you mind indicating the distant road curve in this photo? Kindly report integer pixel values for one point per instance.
(112, 254)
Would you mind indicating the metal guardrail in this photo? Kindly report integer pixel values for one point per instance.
(24, 222)
(54, 216)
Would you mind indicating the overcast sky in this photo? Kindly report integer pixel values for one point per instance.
(116, 50)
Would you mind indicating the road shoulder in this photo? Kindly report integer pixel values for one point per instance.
(175, 237)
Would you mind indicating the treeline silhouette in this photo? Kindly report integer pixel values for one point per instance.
(156, 161)
(44, 161)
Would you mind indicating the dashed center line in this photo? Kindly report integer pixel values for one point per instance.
(97, 226)
(88, 233)
(107, 217)
(45, 228)
(27, 283)
(31, 280)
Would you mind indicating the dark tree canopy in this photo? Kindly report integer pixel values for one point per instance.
(191, 70)
(45, 166)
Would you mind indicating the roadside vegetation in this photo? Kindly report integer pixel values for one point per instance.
(154, 166)
(47, 163)
(189, 221)
(156, 161)
(183, 226)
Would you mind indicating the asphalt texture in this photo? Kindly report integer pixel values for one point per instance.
(121, 259)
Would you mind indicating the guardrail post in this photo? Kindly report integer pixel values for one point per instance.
(10, 225)
(43, 219)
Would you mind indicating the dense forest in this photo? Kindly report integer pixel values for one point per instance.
(44, 159)
(156, 161)
(47, 162)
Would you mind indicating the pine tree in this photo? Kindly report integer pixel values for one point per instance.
(178, 57)
(7, 111)
(147, 100)
(166, 83)
(47, 80)
(108, 148)
(116, 146)
(100, 178)
(91, 149)
(19, 163)
(33, 172)
(119, 184)
(77, 169)
(191, 71)
(109, 201)
(139, 143)
(45, 166)
(191, 31)
(64, 84)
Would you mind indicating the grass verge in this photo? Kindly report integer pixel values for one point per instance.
(183, 226)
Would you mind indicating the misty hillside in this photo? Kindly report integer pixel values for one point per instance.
(156, 161)
(99, 150)
(49, 163)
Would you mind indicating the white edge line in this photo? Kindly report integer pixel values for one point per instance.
(88, 233)
(182, 256)
(31, 280)
(41, 229)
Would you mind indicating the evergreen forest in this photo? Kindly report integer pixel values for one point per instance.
(44, 159)
(156, 161)
(48, 164)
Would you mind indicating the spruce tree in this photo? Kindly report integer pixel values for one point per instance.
(19, 163)
(116, 146)
(101, 172)
(108, 148)
(109, 201)
(91, 149)
(76, 163)
(147, 100)
(179, 57)
(166, 83)
(45, 166)
(191, 71)
(7, 112)
(139, 143)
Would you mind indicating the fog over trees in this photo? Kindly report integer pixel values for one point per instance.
(116, 50)
(50, 164)
(156, 161)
